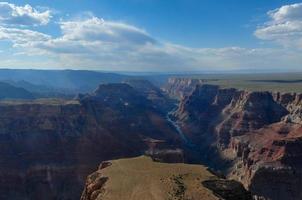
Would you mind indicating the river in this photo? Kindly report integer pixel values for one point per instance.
(186, 141)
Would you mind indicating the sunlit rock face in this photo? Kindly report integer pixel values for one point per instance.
(259, 133)
(181, 87)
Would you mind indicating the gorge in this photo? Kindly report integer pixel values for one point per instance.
(50, 146)
(257, 133)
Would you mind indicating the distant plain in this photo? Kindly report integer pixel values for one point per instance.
(278, 82)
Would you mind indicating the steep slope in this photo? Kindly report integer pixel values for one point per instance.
(153, 93)
(141, 178)
(258, 133)
(42, 91)
(8, 91)
(268, 161)
(71, 81)
(48, 148)
(181, 87)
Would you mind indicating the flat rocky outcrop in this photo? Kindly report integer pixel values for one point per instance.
(141, 178)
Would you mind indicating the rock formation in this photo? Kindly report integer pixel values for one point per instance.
(141, 178)
(181, 87)
(257, 133)
(152, 93)
(48, 148)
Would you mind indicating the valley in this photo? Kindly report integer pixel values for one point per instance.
(50, 145)
(257, 133)
(150, 100)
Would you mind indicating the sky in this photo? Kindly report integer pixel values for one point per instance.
(152, 35)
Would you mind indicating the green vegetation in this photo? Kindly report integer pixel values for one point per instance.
(179, 188)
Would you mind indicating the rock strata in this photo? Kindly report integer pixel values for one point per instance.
(48, 148)
(258, 133)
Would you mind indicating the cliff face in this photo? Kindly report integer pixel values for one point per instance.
(141, 178)
(293, 103)
(225, 113)
(181, 87)
(152, 93)
(268, 161)
(47, 149)
(259, 132)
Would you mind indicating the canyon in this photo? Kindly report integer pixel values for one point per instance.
(252, 136)
(50, 146)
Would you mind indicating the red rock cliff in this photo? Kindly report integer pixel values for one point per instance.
(259, 132)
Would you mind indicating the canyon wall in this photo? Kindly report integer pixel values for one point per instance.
(257, 133)
(180, 87)
(48, 149)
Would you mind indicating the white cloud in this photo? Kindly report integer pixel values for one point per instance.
(93, 43)
(21, 36)
(287, 13)
(110, 45)
(284, 27)
(11, 14)
(96, 29)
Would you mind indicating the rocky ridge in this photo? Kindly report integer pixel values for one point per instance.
(49, 148)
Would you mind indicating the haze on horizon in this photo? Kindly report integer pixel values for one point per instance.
(152, 35)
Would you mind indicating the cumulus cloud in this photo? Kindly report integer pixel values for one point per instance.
(284, 27)
(109, 45)
(287, 13)
(94, 43)
(98, 44)
(96, 29)
(21, 36)
(11, 14)
(94, 36)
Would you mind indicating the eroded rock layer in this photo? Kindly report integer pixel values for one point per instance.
(258, 133)
(48, 149)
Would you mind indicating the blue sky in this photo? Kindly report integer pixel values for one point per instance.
(152, 35)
